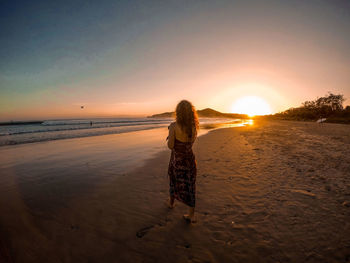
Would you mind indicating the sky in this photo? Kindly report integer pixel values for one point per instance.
(137, 58)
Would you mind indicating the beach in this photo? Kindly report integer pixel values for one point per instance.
(273, 191)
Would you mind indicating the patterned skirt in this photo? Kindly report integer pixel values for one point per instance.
(182, 173)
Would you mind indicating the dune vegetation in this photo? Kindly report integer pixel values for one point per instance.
(330, 107)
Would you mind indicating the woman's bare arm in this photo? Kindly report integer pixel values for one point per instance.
(171, 137)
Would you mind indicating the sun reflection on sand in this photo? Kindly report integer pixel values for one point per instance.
(249, 122)
(235, 123)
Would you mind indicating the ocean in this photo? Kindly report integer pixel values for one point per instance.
(28, 132)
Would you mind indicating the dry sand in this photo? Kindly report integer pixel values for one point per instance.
(270, 192)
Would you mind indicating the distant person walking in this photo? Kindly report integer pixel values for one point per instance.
(182, 169)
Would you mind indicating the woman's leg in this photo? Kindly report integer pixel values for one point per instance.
(191, 212)
(171, 193)
(171, 201)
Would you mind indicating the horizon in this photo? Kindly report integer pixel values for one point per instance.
(126, 116)
(104, 117)
(136, 59)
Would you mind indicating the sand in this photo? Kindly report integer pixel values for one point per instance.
(275, 191)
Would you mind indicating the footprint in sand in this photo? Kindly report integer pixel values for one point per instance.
(74, 227)
(186, 245)
(143, 231)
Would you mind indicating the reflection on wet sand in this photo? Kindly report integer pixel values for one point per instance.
(231, 124)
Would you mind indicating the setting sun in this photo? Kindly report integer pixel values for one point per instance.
(251, 105)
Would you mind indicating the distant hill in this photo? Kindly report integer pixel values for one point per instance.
(206, 113)
(162, 115)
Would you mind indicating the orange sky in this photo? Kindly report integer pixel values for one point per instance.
(147, 58)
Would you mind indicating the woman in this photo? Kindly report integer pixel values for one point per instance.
(182, 169)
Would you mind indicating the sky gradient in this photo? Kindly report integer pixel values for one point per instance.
(120, 58)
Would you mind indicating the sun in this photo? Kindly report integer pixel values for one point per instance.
(251, 105)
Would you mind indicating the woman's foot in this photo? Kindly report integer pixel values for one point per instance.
(190, 216)
(171, 206)
(190, 219)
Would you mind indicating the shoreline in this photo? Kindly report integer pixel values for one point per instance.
(263, 193)
(11, 143)
(127, 129)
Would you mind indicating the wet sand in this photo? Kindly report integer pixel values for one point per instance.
(270, 192)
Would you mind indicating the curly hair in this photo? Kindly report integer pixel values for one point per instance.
(186, 117)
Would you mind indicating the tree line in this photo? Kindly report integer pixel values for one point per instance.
(329, 107)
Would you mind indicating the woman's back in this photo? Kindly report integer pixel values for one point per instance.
(181, 135)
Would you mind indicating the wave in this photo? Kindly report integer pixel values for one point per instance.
(100, 121)
(64, 129)
(77, 133)
(70, 127)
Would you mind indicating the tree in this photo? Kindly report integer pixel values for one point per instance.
(332, 101)
(309, 104)
(327, 106)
